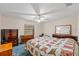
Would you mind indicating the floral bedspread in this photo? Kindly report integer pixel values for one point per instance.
(54, 46)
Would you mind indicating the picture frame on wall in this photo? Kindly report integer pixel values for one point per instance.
(63, 29)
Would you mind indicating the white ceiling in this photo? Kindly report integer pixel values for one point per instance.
(31, 11)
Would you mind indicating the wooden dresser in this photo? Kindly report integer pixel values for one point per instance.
(6, 49)
(9, 35)
(25, 38)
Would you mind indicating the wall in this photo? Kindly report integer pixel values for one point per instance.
(0, 28)
(78, 27)
(10, 22)
(49, 27)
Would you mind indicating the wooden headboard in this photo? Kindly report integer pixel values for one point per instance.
(65, 36)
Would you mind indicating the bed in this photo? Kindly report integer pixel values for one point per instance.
(56, 46)
(62, 43)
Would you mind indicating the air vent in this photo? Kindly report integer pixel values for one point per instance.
(68, 4)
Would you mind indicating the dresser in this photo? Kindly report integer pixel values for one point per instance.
(9, 35)
(25, 38)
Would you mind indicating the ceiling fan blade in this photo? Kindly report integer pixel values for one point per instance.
(55, 11)
(18, 13)
(36, 8)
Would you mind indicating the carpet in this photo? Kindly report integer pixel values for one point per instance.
(20, 51)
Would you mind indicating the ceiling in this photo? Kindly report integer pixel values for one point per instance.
(39, 12)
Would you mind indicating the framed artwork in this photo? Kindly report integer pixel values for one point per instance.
(63, 29)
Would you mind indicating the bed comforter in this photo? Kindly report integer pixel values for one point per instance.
(52, 47)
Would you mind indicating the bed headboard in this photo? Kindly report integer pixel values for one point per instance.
(65, 36)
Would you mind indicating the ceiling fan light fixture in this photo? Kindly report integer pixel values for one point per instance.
(38, 21)
(41, 20)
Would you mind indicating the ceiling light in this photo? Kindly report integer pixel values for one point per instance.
(41, 20)
(38, 21)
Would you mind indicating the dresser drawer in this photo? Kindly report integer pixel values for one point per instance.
(25, 38)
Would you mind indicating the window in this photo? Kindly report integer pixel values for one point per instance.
(28, 30)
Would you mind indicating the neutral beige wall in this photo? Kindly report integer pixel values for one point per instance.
(49, 27)
(78, 27)
(0, 28)
(10, 22)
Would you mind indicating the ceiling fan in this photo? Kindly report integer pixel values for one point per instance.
(38, 17)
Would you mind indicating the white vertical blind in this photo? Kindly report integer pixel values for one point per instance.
(28, 30)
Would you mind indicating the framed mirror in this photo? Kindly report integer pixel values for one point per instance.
(63, 29)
